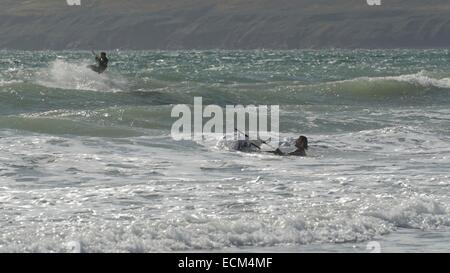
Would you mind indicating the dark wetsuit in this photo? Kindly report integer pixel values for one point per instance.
(298, 152)
(247, 146)
(102, 64)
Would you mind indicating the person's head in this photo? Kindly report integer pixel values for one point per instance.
(302, 143)
(103, 54)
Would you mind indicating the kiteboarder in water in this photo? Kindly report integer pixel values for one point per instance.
(245, 145)
(102, 63)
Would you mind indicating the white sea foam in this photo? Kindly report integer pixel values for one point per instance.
(128, 196)
(9, 82)
(77, 76)
(421, 78)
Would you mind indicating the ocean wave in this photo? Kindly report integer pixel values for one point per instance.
(415, 88)
(390, 86)
(197, 231)
(416, 214)
(77, 76)
(390, 140)
(421, 78)
(9, 82)
(61, 126)
(62, 76)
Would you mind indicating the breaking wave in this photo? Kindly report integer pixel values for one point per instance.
(77, 76)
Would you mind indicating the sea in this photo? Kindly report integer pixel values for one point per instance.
(88, 162)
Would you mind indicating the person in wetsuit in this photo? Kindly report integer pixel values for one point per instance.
(301, 144)
(102, 63)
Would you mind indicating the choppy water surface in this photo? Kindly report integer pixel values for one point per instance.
(88, 159)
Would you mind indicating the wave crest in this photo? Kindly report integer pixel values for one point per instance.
(403, 85)
(77, 76)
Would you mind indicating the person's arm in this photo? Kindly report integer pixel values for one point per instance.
(95, 55)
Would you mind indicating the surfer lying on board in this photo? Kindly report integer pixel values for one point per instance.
(301, 144)
(102, 63)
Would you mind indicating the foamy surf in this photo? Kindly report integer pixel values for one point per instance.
(421, 78)
(408, 85)
(9, 82)
(77, 76)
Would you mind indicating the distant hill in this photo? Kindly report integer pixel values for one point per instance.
(228, 24)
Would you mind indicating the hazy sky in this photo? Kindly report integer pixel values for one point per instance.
(231, 24)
